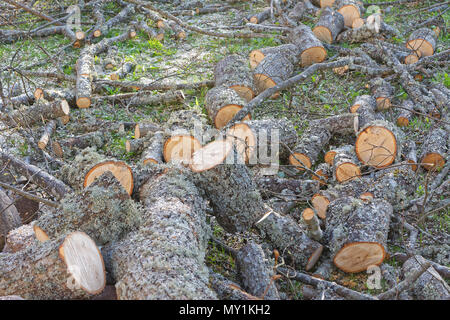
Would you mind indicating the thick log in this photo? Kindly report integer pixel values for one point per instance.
(254, 272)
(357, 232)
(234, 72)
(309, 217)
(153, 152)
(104, 211)
(363, 101)
(379, 143)
(435, 149)
(307, 151)
(309, 47)
(272, 70)
(366, 114)
(423, 40)
(345, 165)
(382, 91)
(143, 128)
(329, 26)
(20, 239)
(221, 173)
(341, 124)
(350, 9)
(287, 50)
(136, 145)
(70, 267)
(169, 248)
(264, 141)
(69, 146)
(9, 216)
(429, 285)
(179, 32)
(56, 94)
(222, 103)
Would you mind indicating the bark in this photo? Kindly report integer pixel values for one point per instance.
(124, 70)
(345, 165)
(254, 272)
(307, 151)
(9, 217)
(48, 131)
(350, 9)
(303, 188)
(151, 32)
(405, 114)
(222, 103)
(153, 153)
(423, 40)
(272, 70)
(69, 146)
(84, 68)
(19, 239)
(228, 290)
(357, 232)
(309, 47)
(337, 125)
(329, 26)
(260, 17)
(143, 128)
(142, 98)
(180, 34)
(170, 246)
(382, 91)
(435, 149)
(286, 50)
(309, 217)
(409, 153)
(104, 211)
(322, 173)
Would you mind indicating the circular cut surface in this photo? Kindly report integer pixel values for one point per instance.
(263, 82)
(244, 92)
(38, 93)
(180, 148)
(422, 45)
(358, 256)
(376, 146)
(410, 59)
(313, 55)
(433, 160)
(323, 34)
(119, 169)
(40, 234)
(357, 23)
(308, 214)
(320, 173)
(84, 262)
(326, 3)
(244, 139)
(211, 155)
(149, 161)
(383, 103)
(83, 102)
(255, 57)
(302, 157)
(320, 203)
(350, 13)
(402, 122)
(227, 113)
(329, 157)
(347, 171)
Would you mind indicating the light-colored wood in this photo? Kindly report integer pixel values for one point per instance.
(305, 161)
(350, 13)
(329, 157)
(347, 171)
(38, 93)
(358, 256)
(320, 204)
(263, 82)
(421, 45)
(244, 92)
(227, 113)
(255, 57)
(40, 234)
(180, 148)
(211, 155)
(320, 172)
(119, 169)
(84, 262)
(357, 23)
(313, 55)
(245, 140)
(432, 161)
(323, 34)
(376, 146)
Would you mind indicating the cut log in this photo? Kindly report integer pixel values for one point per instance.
(382, 91)
(180, 34)
(169, 248)
(302, 9)
(276, 184)
(254, 272)
(124, 70)
(70, 267)
(48, 131)
(234, 72)
(143, 128)
(324, 270)
(357, 232)
(135, 145)
(84, 68)
(309, 217)
(409, 153)
(435, 149)
(405, 113)
(363, 101)
(423, 40)
(345, 165)
(357, 23)
(309, 47)
(429, 285)
(263, 141)
(222, 103)
(104, 211)
(153, 153)
(322, 173)
(228, 290)
(221, 173)
(366, 114)
(341, 124)
(119, 169)
(378, 144)
(328, 27)
(287, 50)
(260, 17)
(350, 9)
(9, 216)
(307, 151)
(71, 146)
(151, 33)
(288, 236)
(55, 94)
(272, 70)
(20, 239)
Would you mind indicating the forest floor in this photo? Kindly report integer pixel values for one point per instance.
(193, 59)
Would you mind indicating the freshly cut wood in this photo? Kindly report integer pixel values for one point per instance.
(378, 144)
(143, 128)
(357, 23)
(227, 182)
(119, 169)
(170, 246)
(322, 173)
(307, 151)
(309, 47)
(153, 153)
(405, 114)
(287, 50)
(345, 165)
(422, 40)
(320, 203)
(222, 103)
(429, 285)
(357, 232)
(328, 27)
(312, 222)
(261, 16)
(281, 232)
(177, 30)
(56, 94)
(19, 239)
(263, 141)
(366, 114)
(435, 149)
(409, 153)
(124, 70)
(234, 72)
(70, 267)
(135, 145)
(272, 70)
(363, 101)
(103, 210)
(151, 33)
(350, 9)
(382, 91)
(48, 131)
(255, 273)
(9, 216)
(70, 146)
(226, 289)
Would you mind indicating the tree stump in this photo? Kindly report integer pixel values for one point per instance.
(309, 47)
(328, 27)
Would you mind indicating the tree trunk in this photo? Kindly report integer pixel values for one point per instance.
(382, 91)
(328, 27)
(350, 9)
(307, 151)
(435, 149)
(309, 47)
